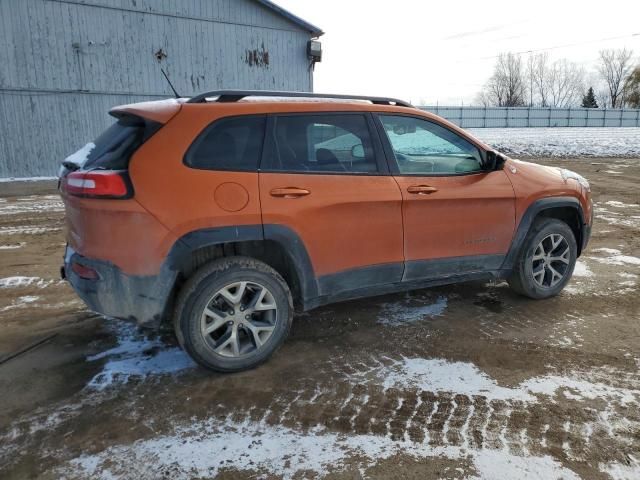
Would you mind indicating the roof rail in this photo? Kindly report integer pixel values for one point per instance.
(225, 96)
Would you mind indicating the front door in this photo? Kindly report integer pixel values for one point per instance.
(458, 218)
(322, 176)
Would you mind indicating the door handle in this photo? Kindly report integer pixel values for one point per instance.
(421, 189)
(289, 192)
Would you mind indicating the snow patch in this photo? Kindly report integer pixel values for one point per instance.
(410, 310)
(27, 230)
(20, 302)
(13, 246)
(564, 142)
(20, 281)
(615, 257)
(138, 356)
(204, 449)
(25, 179)
(582, 270)
(622, 472)
(617, 204)
(438, 375)
(32, 205)
(78, 158)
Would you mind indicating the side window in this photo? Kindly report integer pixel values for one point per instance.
(321, 143)
(229, 144)
(424, 147)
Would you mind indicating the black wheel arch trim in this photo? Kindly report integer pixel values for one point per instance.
(529, 216)
(180, 254)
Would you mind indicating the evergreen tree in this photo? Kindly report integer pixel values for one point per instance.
(589, 100)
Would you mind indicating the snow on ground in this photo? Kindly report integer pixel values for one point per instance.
(410, 310)
(438, 375)
(203, 450)
(136, 356)
(615, 257)
(582, 270)
(563, 142)
(615, 217)
(32, 204)
(20, 302)
(20, 281)
(26, 179)
(623, 472)
(616, 203)
(27, 230)
(12, 246)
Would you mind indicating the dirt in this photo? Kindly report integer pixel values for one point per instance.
(452, 382)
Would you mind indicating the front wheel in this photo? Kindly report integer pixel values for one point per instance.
(233, 314)
(546, 261)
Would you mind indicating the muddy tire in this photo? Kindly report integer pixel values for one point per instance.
(233, 314)
(546, 261)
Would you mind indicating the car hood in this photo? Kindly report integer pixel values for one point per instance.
(547, 175)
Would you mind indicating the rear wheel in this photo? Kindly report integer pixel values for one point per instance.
(546, 261)
(233, 314)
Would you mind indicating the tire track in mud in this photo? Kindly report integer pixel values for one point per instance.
(567, 425)
(564, 428)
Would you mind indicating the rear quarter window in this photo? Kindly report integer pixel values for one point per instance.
(114, 147)
(228, 144)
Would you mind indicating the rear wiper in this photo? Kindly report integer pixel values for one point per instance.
(70, 165)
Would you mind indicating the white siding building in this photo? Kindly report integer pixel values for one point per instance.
(64, 63)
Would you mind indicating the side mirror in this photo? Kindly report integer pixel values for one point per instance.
(357, 151)
(494, 161)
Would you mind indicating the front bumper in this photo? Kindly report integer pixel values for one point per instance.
(586, 235)
(116, 294)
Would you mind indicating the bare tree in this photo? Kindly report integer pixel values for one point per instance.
(566, 84)
(540, 72)
(557, 84)
(614, 67)
(506, 87)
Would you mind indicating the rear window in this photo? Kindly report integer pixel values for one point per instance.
(114, 147)
(229, 144)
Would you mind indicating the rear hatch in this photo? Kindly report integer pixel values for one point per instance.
(96, 188)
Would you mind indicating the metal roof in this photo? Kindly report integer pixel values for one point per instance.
(292, 18)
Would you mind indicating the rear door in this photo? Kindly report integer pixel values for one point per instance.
(323, 177)
(458, 218)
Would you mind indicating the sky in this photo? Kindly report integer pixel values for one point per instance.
(442, 52)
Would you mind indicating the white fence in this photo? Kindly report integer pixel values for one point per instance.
(505, 117)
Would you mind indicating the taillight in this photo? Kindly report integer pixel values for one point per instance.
(85, 272)
(97, 184)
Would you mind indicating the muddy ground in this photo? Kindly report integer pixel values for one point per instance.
(454, 382)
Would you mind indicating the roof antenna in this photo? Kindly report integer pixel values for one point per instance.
(169, 82)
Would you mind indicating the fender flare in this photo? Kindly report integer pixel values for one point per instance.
(527, 220)
(180, 254)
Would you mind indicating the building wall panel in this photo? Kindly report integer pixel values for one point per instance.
(66, 62)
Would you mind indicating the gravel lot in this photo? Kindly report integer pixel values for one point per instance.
(469, 381)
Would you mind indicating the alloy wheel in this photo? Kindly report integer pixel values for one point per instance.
(239, 319)
(551, 260)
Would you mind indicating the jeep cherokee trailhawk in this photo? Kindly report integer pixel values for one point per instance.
(222, 212)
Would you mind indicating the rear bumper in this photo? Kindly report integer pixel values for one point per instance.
(116, 294)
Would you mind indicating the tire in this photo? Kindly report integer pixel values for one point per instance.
(228, 336)
(537, 278)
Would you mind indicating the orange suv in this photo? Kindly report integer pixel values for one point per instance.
(222, 212)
